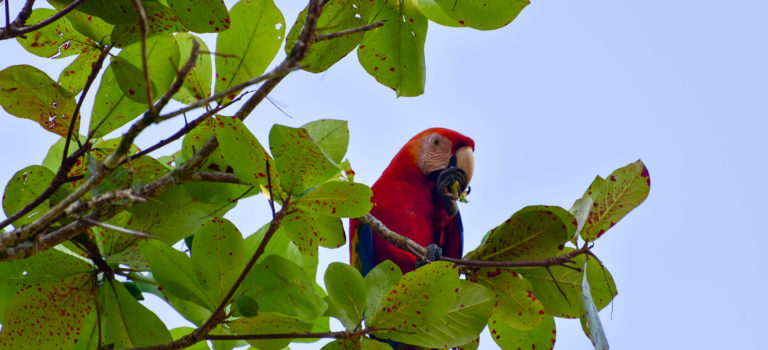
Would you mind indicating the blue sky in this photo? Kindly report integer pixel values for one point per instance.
(568, 91)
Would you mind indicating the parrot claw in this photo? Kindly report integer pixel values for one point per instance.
(451, 183)
(434, 253)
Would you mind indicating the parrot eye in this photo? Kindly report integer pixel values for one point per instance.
(435, 141)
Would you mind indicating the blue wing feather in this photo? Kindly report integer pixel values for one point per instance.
(363, 249)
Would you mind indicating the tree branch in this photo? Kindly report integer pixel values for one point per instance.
(17, 28)
(420, 251)
(335, 335)
(144, 29)
(350, 31)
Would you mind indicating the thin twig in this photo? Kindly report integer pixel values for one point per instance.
(216, 177)
(269, 187)
(17, 29)
(350, 31)
(335, 335)
(144, 29)
(118, 228)
(557, 285)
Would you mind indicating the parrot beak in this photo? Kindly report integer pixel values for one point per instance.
(465, 160)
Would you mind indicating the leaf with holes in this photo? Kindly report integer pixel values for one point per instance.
(174, 271)
(27, 92)
(379, 281)
(112, 108)
(337, 15)
(197, 83)
(201, 16)
(507, 337)
(162, 57)
(75, 75)
(463, 321)
(45, 315)
(347, 290)
(337, 199)
(252, 41)
(534, 232)
(218, 255)
(269, 323)
(482, 14)
(394, 53)
(279, 285)
(300, 162)
(56, 40)
(25, 186)
(614, 197)
(418, 298)
(516, 305)
(601, 282)
(331, 135)
(126, 322)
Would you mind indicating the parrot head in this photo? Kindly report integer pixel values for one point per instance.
(444, 156)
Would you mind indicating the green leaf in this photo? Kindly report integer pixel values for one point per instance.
(93, 27)
(246, 306)
(175, 271)
(602, 286)
(590, 319)
(23, 188)
(279, 285)
(112, 11)
(40, 310)
(341, 344)
(172, 215)
(269, 323)
(370, 344)
(160, 20)
(201, 16)
(300, 162)
(337, 199)
(515, 304)
(56, 40)
(331, 135)
(347, 290)
(337, 15)
(112, 107)
(162, 58)
(197, 83)
(252, 41)
(463, 321)
(534, 232)
(27, 92)
(482, 14)
(540, 337)
(580, 212)
(435, 13)
(307, 232)
(218, 255)
(75, 75)
(418, 298)
(379, 281)
(615, 197)
(126, 322)
(244, 153)
(189, 310)
(281, 245)
(394, 53)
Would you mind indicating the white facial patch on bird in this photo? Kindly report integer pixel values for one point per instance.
(435, 153)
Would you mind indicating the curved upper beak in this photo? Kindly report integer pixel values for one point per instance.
(465, 160)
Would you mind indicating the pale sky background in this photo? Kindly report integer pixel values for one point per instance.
(568, 91)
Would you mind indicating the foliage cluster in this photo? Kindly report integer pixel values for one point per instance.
(95, 224)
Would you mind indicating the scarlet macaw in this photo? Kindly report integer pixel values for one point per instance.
(416, 197)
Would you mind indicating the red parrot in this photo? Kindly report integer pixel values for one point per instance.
(416, 197)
